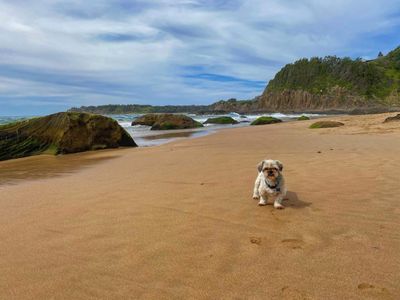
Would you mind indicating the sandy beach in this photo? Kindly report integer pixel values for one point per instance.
(177, 221)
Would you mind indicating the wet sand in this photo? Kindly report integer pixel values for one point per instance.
(177, 221)
(49, 166)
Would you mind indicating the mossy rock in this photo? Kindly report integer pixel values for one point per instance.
(221, 120)
(326, 124)
(265, 120)
(61, 133)
(167, 121)
(392, 119)
(303, 118)
(147, 120)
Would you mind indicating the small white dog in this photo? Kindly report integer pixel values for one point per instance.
(270, 183)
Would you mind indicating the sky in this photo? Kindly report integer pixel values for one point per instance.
(57, 54)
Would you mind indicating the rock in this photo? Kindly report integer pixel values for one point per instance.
(303, 118)
(147, 120)
(61, 133)
(326, 124)
(221, 120)
(265, 120)
(392, 119)
(167, 121)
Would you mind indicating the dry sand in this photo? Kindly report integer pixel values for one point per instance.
(177, 221)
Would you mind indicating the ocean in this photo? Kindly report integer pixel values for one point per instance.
(145, 137)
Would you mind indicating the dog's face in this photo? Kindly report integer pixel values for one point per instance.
(271, 168)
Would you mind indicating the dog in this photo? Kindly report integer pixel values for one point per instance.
(270, 183)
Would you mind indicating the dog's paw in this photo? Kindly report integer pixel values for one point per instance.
(278, 206)
(262, 202)
(256, 197)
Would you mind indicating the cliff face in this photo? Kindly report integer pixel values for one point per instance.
(332, 83)
(300, 100)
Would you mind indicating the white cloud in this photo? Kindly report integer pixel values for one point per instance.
(150, 51)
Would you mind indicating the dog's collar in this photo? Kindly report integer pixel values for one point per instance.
(276, 186)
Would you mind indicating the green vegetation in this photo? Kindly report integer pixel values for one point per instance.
(303, 118)
(221, 120)
(325, 124)
(265, 120)
(61, 133)
(374, 79)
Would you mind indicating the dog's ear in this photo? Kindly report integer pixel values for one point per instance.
(280, 165)
(260, 166)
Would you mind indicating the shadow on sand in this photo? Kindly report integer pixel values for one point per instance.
(293, 201)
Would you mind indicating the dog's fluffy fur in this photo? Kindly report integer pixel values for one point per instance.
(270, 184)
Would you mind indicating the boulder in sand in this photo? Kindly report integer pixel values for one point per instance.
(303, 118)
(392, 119)
(61, 133)
(326, 124)
(221, 120)
(167, 121)
(265, 120)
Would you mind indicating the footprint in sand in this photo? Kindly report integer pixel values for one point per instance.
(288, 292)
(293, 243)
(255, 240)
(371, 288)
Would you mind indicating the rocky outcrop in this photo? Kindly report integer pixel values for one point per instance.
(265, 121)
(221, 120)
(167, 121)
(233, 105)
(303, 118)
(61, 133)
(393, 119)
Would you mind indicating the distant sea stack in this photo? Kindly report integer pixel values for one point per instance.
(61, 133)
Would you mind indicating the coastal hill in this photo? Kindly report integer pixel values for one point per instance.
(315, 85)
(335, 83)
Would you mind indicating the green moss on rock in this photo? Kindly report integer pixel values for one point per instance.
(303, 118)
(265, 120)
(167, 121)
(61, 133)
(326, 124)
(221, 120)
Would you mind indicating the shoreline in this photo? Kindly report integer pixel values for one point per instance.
(165, 221)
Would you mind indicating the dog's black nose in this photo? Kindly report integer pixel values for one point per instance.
(270, 173)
